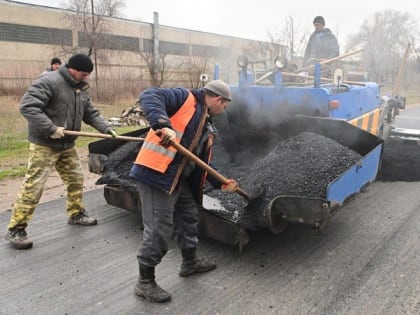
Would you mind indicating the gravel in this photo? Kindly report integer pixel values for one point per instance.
(302, 165)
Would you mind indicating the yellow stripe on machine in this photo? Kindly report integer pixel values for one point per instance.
(368, 122)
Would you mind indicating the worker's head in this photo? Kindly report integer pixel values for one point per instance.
(217, 96)
(55, 63)
(80, 66)
(319, 23)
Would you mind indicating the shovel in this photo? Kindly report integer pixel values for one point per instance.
(100, 135)
(184, 151)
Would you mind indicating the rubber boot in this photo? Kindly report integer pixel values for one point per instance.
(147, 287)
(192, 265)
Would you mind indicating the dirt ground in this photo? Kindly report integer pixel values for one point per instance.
(54, 188)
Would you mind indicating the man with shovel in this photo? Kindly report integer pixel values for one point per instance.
(170, 185)
(56, 101)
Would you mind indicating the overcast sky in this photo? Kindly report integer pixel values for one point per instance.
(255, 19)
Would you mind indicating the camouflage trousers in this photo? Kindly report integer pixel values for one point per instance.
(41, 161)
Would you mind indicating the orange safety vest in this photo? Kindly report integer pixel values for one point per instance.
(155, 156)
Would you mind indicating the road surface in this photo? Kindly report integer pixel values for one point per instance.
(408, 118)
(365, 262)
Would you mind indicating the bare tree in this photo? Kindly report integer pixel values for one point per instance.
(384, 36)
(195, 66)
(291, 35)
(160, 72)
(90, 20)
(98, 7)
(287, 42)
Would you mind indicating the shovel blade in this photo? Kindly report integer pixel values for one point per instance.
(256, 202)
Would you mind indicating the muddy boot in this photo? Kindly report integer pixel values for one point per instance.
(18, 238)
(82, 218)
(147, 287)
(192, 265)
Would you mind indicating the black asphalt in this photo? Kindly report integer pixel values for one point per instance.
(365, 262)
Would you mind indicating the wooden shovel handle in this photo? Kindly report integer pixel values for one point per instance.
(100, 135)
(181, 149)
(330, 60)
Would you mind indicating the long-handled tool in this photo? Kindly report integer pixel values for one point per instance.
(323, 62)
(296, 72)
(181, 149)
(100, 135)
(184, 151)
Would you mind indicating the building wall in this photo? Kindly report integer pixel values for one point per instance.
(31, 35)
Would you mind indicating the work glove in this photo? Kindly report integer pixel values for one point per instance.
(113, 133)
(230, 186)
(167, 135)
(59, 133)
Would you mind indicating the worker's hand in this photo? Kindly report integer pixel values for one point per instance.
(167, 135)
(59, 133)
(113, 133)
(230, 186)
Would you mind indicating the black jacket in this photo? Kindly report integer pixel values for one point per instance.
(321, 45)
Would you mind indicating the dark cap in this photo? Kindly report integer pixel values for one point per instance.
(319, 19)
(80, 62)
(219, 88)
(55, 60)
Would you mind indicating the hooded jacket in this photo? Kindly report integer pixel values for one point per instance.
(54, 100)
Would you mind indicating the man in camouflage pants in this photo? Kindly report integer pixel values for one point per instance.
(56, 101)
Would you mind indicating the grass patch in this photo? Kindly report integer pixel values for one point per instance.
(14, 157)
(13, 172)
(13, 137)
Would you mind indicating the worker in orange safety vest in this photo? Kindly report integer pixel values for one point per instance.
(170, 186)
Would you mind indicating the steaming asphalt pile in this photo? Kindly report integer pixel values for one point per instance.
(302, 165)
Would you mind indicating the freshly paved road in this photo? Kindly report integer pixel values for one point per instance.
(366, 261)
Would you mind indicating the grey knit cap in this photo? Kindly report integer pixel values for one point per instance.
(219, 88)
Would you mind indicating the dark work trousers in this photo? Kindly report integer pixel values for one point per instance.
(163, 216)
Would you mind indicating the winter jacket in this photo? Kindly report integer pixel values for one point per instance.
(161, 104)
(321, 45)
(54, 100)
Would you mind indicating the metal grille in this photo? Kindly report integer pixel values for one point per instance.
(109, 41)
(34, 34)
